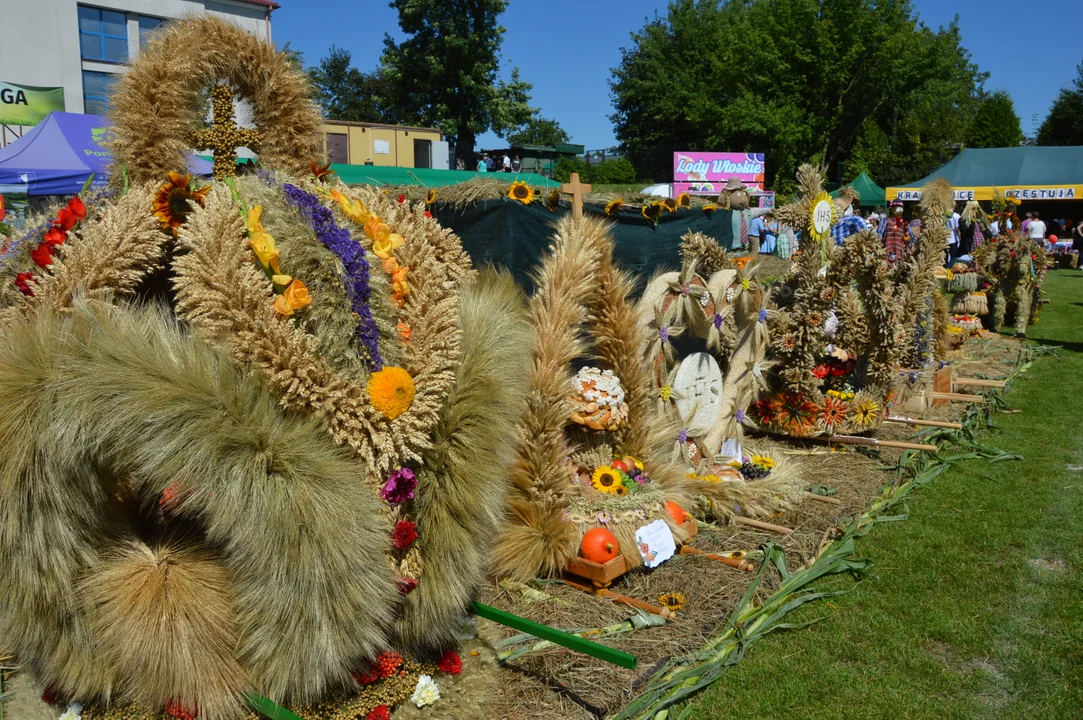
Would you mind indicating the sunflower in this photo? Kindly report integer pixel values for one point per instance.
(736, 555)
(670, 205)
(606, 479)
(866, 412)
(709, 207)
(522, 192)
(684, 200)
(391, 391)
(672, 601)
(613, 207)
(652, 211)
(763, 461)
(430, 196)
(552, 202)
(173, 201)
(834, 412)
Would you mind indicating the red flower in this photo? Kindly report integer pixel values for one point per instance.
(450, 663)
(181, 712)
(404, 535)
(24, 286)
(66, 219)
(821, 371)
(428, 214)
(42, 255)
(367, 677)
(402, 198)
(406, 585)
(49, 696)
(322, 172)
(380, 712)
(77, 207)
(56, 236)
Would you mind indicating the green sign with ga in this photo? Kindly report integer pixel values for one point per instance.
(27, 104)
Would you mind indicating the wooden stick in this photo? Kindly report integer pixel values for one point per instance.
(959, 397)
(742, 565)
(925, 423)
(762, 525)
(979, 382)
(823, 498)
(622, 599)
(875, 442)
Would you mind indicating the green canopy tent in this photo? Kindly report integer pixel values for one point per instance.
(870, 194)
(426, 177)
(1027, 172)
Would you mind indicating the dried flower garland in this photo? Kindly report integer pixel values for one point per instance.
(352, 255)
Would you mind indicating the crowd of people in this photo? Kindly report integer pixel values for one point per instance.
(486, 163)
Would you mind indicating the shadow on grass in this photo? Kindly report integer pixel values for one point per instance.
(1068, 346)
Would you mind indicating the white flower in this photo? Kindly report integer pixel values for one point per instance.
(831, 324)
(730, 293)
(74, 712)
(426, 693)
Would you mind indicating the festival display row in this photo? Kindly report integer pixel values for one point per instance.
(271, 434)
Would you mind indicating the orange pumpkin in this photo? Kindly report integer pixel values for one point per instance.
(599, 545)
(676, 512)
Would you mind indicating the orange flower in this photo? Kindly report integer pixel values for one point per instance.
(391, 391)
(382, 247)
(390, 264)
(377, 230)
(282, 306)
(174, 201)
(297, 295)
(404, 331)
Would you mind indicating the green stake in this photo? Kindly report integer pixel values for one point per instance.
(572, 642)
(270, 708)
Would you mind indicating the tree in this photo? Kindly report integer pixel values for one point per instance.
(1064, 124)
(346, 93)
(995, 123)
(798, 80)
(445, 72)
(538, 131)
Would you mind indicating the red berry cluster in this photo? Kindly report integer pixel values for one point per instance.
(380, 712)
(181, 712)
(386, 664)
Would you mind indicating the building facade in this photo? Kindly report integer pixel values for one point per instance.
(357, 143)
(67, 54)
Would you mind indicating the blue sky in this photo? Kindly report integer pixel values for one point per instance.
(567, 47)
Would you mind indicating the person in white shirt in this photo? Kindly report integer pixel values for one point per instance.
(507, 163)
(1036, 229)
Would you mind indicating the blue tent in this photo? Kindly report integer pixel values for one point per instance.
(60, 153)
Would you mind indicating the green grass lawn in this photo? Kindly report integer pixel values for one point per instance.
(974, 606)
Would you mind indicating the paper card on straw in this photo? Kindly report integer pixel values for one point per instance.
(656, 543)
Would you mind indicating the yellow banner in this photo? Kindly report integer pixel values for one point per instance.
(1023, 192)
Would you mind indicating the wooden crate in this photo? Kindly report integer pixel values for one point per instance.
(604, 574)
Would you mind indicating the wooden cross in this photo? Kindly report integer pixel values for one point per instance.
(224, 136)
(576, 190)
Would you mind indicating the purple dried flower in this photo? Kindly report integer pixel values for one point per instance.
(717, 321)
(685, 289)
(339, 241)
(663, 333)
(603, 517)
(740, 415)
(682, 436)
(399, 487)
(642, 478)
(763, 315)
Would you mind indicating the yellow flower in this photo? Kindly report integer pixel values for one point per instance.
(613, 207)
(673, 601)
(736, 555)
(763, 461)
(652, 211)
(709, 207)
(666, 392)
(670, 205)
(376, 229)
(746, 283)
(255, 224)
(949, 274)
(713, 479)
(866, 412)
(174, 200)
(522, 192)
(606, 479)
(684, 200)
(282, 306)
(281, 282)
(391, 391)
(297, 295)
(430, 197)
(387, 244)
(264, 246)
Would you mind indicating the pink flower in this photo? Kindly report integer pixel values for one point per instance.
(399, 487)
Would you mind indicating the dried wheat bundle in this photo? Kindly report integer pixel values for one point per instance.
(155, 106)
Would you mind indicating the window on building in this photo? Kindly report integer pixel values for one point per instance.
(103, 35)
(97, 86)
(147, 25)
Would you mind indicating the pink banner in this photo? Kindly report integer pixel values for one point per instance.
(706, 173)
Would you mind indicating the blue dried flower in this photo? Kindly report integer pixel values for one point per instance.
(763, 316)
(717, 321)
(740, 415)
(663, 333)
(682, 436)
(352, 254)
